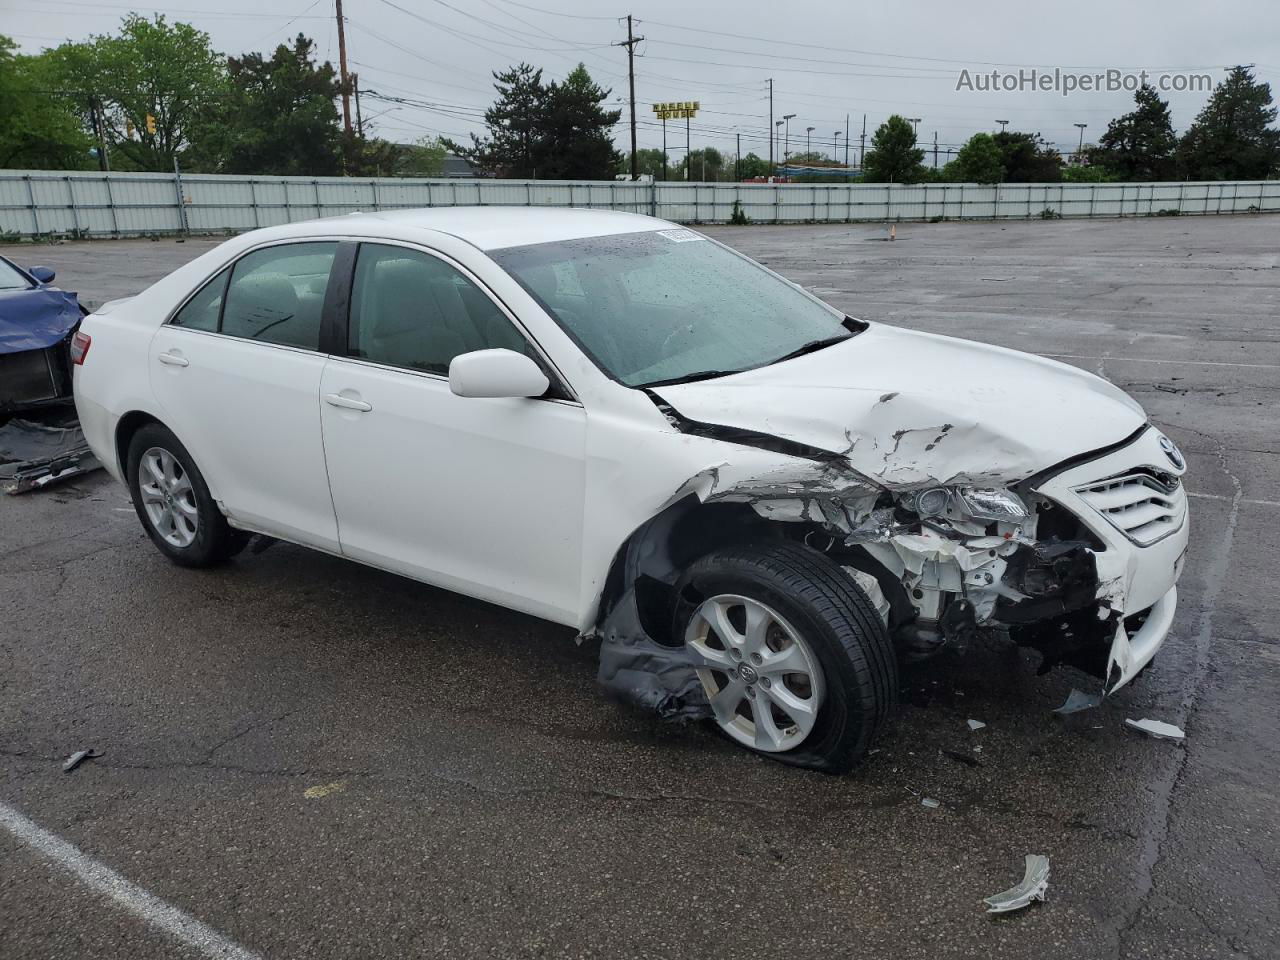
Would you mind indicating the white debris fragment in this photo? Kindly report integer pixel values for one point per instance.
(929, 802)
(1035, 881)
(1078, 700)
(1157, 728)
(976, 724)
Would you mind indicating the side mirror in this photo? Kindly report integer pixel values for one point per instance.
(496, 373)
(42, 274)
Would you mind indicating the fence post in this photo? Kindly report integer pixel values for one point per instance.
(182, 206)
(75, 214)
(35, 212)
(373, 183)
(111, 205)
(315, 185)
(253, 202)
(453, 193)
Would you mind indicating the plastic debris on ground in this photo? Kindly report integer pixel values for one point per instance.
(1078, 700)
(1157, 729)
(40, 448)
(1035, 881)
(975, 724)
(929, 802)
(79, 757)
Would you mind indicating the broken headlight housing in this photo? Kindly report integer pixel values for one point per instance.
(970, 503)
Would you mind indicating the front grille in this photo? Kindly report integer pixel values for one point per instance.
(27, 378)
(1143, 506)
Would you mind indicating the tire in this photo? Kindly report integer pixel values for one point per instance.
(820, 613)
(200, 536)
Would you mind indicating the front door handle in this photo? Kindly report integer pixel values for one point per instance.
(173, 360)
(347, 403)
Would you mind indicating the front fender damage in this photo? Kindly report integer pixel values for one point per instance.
(1041, 579)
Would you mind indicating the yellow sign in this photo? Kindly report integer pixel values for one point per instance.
(151, 125)
(686, 109)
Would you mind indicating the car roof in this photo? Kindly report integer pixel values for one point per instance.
(492, 228)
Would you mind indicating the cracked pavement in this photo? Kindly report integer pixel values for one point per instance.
(472, 793)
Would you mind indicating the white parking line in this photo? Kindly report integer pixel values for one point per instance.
(1181, 363)
(105, 881)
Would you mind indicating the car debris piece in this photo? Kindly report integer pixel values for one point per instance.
(1157, 729)
(929, 802)
(1078, 700)
(975, 724)
(1035, 881)
(79, 757)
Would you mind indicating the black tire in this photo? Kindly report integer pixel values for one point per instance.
(834, 617)
(215, 541)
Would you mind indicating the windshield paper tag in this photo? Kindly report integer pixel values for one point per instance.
(679, 236)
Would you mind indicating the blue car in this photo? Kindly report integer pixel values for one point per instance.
(40, 438)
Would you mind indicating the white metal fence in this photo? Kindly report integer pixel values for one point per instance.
(39, 203)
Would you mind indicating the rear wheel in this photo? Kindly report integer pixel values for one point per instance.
(798, 664)
(173, 501)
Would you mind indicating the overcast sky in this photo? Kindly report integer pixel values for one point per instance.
(826, 59)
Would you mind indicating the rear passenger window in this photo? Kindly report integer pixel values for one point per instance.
(276, 295)
(201, 311)
(412, 310)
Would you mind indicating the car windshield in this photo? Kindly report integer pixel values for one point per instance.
(670, 305)
(11, 279)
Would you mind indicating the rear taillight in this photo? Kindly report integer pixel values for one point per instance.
(80, 342)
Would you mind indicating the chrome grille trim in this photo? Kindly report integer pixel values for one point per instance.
(1141, 505)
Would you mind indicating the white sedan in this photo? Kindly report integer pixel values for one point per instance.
(759, 505)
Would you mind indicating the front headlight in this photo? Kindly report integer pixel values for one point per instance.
(976, 503)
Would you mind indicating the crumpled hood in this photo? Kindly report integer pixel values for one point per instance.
(911, 409)
(35, 319)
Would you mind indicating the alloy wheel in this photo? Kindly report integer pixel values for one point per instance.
(168, 497)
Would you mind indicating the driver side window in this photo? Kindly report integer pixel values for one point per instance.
(410, 309)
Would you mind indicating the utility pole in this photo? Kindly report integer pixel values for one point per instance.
(355, 82)
(935, 149)
(862, 146)
(342, 63)
(664, 146)
(1080, 146)
(737, 159)
(688, 149)
(630, 44)
(846, 140)
(771, 126)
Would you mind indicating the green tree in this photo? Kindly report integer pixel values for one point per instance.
(151, 67)
(574, 139)
(1087, 173)
(515, 126)
(40, 127)
(648, 163)
(1026, 158)
(978, 161)
(1232, 138)
(1139, 145)
(893, 157)
(753, 166)
(705, 165)
(279, 117)
(422, 159)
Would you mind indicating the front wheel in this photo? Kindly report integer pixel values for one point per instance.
(798, 664)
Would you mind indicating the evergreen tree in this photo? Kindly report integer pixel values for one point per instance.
(893, 157)
(573, 131)
(1141, 144)
(1027, 159)
(1232, 138)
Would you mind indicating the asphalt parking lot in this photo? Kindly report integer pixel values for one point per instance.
(317, 759)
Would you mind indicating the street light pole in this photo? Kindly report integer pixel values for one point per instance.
(807, 131)
(1003, 124)
(777, 132)
(835, 146)
(786, 156)
(1080, 146)
(914, 121)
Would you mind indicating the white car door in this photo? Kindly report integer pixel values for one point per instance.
(237, 372)
(481, 496)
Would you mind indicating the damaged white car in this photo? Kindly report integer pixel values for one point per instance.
(758, 505)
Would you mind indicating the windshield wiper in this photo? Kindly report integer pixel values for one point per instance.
(812, 346)
(689, 378)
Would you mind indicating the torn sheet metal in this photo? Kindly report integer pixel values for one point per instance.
(79, 757)
(1035, 881)
(43, 447)
(1157, 729)
(975, 724)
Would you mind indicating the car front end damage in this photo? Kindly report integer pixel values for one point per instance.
(1079, 561)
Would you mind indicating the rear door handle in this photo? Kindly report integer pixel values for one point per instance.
(347, 403)
(173, 360)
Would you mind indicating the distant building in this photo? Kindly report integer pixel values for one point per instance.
(458, 167)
